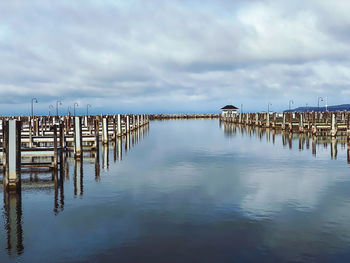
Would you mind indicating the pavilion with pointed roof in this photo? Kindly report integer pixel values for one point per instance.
(228, 110)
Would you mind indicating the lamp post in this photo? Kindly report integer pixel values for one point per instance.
(36, 101)
(75, 104)
(318, 102)
(58, 102)
(87, 109)
(50, 107)
(268, 107)
(307, 104)
(290, 104)
(69, 109)
(241, 108)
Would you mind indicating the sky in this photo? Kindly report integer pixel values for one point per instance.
(178, 56)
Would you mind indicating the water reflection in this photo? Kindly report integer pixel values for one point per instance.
(78, 178)
(53, 181)
(287, 138)
(105, 157)
(13, 215)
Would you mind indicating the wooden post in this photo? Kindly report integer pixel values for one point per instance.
(268, 119)
(119, 126)
(334, 125)
(78, 151)
(12, 154)
(105, 130)
(55, 150)
(301, 122)
(97, 137)
(114, 128)
(127, 124)
(30, 133)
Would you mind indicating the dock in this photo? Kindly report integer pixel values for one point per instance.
(315, 123)
(43, 142)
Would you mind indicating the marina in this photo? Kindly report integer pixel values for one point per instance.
(183, 183)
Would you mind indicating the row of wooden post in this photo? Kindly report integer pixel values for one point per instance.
(11, 130)
(317, 123)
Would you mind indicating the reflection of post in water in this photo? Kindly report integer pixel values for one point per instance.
(301, 144)
(115, 150)
(273, 136)
(348, 153)
(284, 139)
(334, 148)
(313, 145)
(290, 140)
(13, 214)
(59, 191)
(267, 135)
(307, 141)
(119, 149)
(105, 157)
(78, 178)
(97, 167)
(127, 142)
(132, 138)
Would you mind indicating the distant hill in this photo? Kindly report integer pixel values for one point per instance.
(342, 107)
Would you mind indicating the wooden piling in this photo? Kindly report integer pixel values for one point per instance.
(12, 154)
(78, 151)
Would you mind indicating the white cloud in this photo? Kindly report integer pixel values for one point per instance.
(166, 54)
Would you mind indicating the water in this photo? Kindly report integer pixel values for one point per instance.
(187, 191)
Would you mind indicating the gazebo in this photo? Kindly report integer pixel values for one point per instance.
(228, 110)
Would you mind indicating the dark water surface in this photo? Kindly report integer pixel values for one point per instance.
(188, 191)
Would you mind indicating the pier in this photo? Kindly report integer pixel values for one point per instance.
(43, 142)
(315, 123)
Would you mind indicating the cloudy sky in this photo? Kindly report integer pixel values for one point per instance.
(173, 56)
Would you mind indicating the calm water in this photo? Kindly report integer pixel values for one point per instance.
(187, 191)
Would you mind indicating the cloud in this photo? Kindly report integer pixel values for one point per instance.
(173, 55)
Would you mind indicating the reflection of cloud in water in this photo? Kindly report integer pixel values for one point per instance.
(271, 191)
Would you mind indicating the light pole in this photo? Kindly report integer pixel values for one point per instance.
(58, 102)
(241, 108)
(290, 104)
(50, 107)
(36, 101)
(87, 109)
(268, 107)
(318, 102)
(69, 109)
(75, 104)
(307, 104)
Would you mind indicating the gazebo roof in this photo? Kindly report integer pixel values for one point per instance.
(229, 107)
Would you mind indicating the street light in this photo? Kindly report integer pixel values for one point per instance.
(307, 104)
(36, 101)
(290, 104)
(268, 107)
(87, 109)
(318, 102)
(58, 102)
(75, 104)
(69, 109)
(50, 107)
